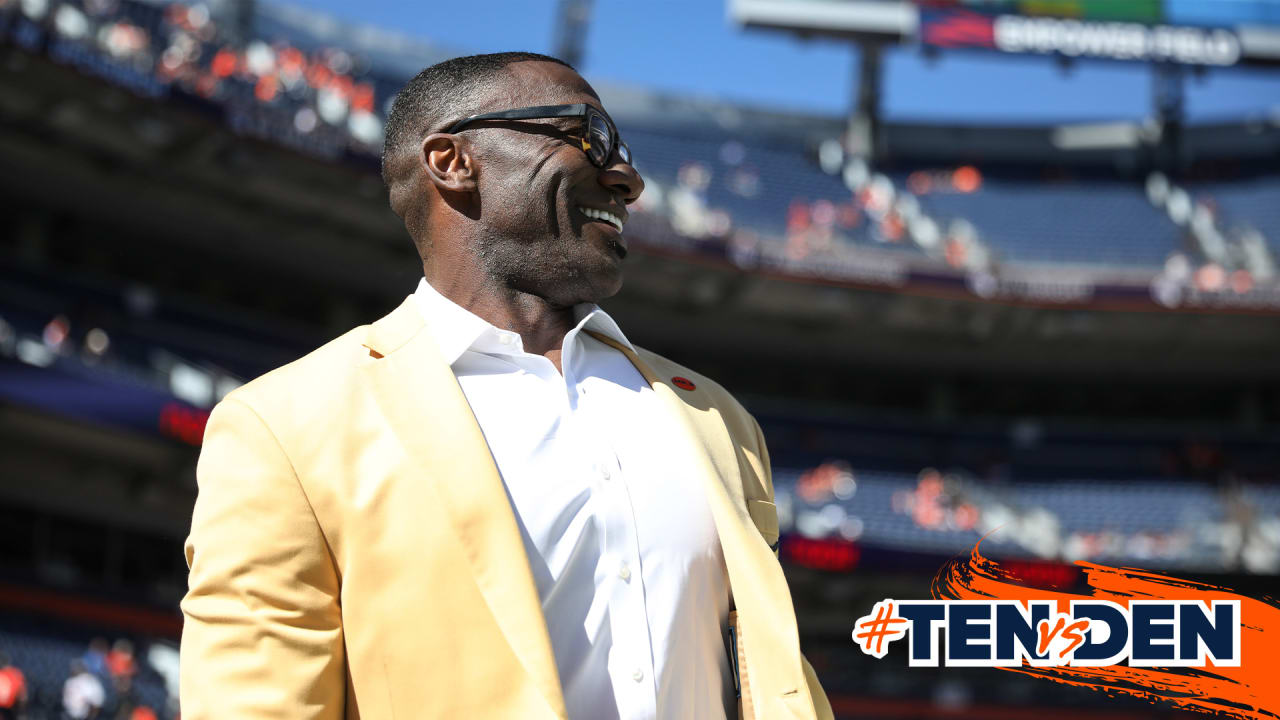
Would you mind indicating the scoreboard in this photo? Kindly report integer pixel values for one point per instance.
(1190, 32)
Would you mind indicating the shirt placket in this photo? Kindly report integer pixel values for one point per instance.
(631, 662)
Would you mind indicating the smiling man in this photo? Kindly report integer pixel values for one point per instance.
(489, 503)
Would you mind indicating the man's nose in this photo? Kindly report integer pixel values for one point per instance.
(622, 179)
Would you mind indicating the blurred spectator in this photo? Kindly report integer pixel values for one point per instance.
(121, 664)
(95, 658)
(130, 708)
(13, 690)
(56, 332)
(82, 695)
(95, 345)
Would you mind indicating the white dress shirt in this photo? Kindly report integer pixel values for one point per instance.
(619, 536)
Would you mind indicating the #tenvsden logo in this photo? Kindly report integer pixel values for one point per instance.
(1005, 633)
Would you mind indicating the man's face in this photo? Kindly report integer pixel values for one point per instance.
(537, 192)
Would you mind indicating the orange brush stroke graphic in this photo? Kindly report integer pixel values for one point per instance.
(1250, 691)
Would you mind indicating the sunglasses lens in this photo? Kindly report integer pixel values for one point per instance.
(599, 137)
(624, 152)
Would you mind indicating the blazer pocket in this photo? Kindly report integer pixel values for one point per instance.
(765, 516)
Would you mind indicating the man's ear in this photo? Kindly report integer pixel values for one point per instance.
(448, 162)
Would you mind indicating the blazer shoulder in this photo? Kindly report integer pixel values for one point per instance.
(744, 430)
(667, 369)
(323, 371)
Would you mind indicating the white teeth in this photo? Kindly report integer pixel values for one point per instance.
(608, 217)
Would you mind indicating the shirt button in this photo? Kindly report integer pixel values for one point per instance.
(506, 340)
(624, 572)
(605, 474)
(638, 675)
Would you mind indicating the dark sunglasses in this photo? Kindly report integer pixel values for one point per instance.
(598, 135)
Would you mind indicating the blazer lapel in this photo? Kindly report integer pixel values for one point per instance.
(429, 414)
(758, 586)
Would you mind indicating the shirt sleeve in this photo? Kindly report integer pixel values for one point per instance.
(263, 633)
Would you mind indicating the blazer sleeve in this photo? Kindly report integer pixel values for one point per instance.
(821, 705)
(263, 632)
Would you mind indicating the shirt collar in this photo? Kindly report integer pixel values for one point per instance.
(457, 330)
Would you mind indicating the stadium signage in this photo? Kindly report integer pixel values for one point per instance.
(1171, 294)
(1094, 633)
(1077, 38)
(1119, 41)
(1038, 287)
(1122, 631)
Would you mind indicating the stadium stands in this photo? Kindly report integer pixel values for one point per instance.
(327, 101)
(758, 187)
(1251, 200)
(44, 650)
(1148, 523)
(1107, 224)
(140, 321)
(1051, 468)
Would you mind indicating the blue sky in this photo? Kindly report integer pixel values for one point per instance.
(690, 46)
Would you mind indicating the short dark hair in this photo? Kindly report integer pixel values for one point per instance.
(445, 91)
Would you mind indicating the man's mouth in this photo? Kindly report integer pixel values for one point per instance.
(603, 215)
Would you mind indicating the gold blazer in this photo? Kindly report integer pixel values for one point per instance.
(353, 552)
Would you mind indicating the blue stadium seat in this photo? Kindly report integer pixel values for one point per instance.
(1253, 203)
(1094, 223)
